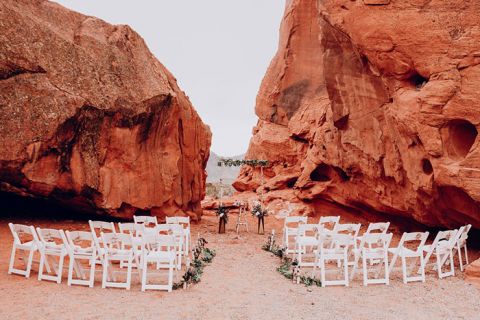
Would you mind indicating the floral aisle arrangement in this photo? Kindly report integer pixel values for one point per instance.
(202, 256)
(222, 213)
(288, 267)
(260, 213)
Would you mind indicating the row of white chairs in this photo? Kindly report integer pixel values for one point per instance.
(136, 245)
(329, 240)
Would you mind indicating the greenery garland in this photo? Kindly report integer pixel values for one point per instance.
(288, 268)
(202, 256)
(238, 163)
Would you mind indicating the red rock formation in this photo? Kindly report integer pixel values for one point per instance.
(472, 273)
(90, 119)
(374, 105)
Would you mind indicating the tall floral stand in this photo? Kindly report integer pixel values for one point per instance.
(221, 225)
(261, 225)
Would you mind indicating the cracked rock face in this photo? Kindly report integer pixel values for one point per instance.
(91, 120)
(374, 105)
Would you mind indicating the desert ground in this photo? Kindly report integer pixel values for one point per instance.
(241, 283)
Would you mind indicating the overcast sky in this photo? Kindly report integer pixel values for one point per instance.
(218, 50)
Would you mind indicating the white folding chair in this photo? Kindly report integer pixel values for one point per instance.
(351, 229)
(342, 243)
(410, 247)
(147, 220)
(80, 246)
(160, 250)
(462, 244)
(442, 247)
(377, 227)
(51, 246)
(373, 248)
(25, 239)
(328, 223)
(185, 223)
(290, 229)
(113, 251)
(135, 230)
(306, 242)
(98, 227)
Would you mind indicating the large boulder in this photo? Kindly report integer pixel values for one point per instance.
(91, 120)
(374, 105)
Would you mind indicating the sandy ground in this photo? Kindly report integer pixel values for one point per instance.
(241, 283)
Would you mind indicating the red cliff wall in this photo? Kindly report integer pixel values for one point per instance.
(374, 105)
(90, 119)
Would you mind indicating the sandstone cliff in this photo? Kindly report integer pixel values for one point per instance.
(374, 105)
(91, 120)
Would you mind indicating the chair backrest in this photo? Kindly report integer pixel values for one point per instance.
(128, 228)
(49, 235)
(414, 241)
(342, 241)
(462, 240)
(158, 242)
(115, 240)
(447, 238)
(294, 220)
(78, 240)
(52, 239)
(145, 220)
(176, 229)
(378, 227)
(305, 229)
(329, 222)
(376, 241)
(19, 231)
(101, 226)
(347, 228)
(79, 237)
(184, 221)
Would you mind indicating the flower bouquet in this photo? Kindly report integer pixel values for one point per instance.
(222, 213)
(260, 213)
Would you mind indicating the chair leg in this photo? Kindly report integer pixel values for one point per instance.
(404, 269)
(170, 276)
(144, 273)
(345, 268)
(129, 273)
(365, 270)
(40, 267)
(322, 271)
(459, 250)
(60, 268)
(12, 260)
(29, 264)
(466, 254)
(92, 272)
(439, 268)
(387, 273)
(105, 272)
(70, 271)
(452, 266)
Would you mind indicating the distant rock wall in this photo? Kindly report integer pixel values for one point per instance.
(91, 120)
(375, 105)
